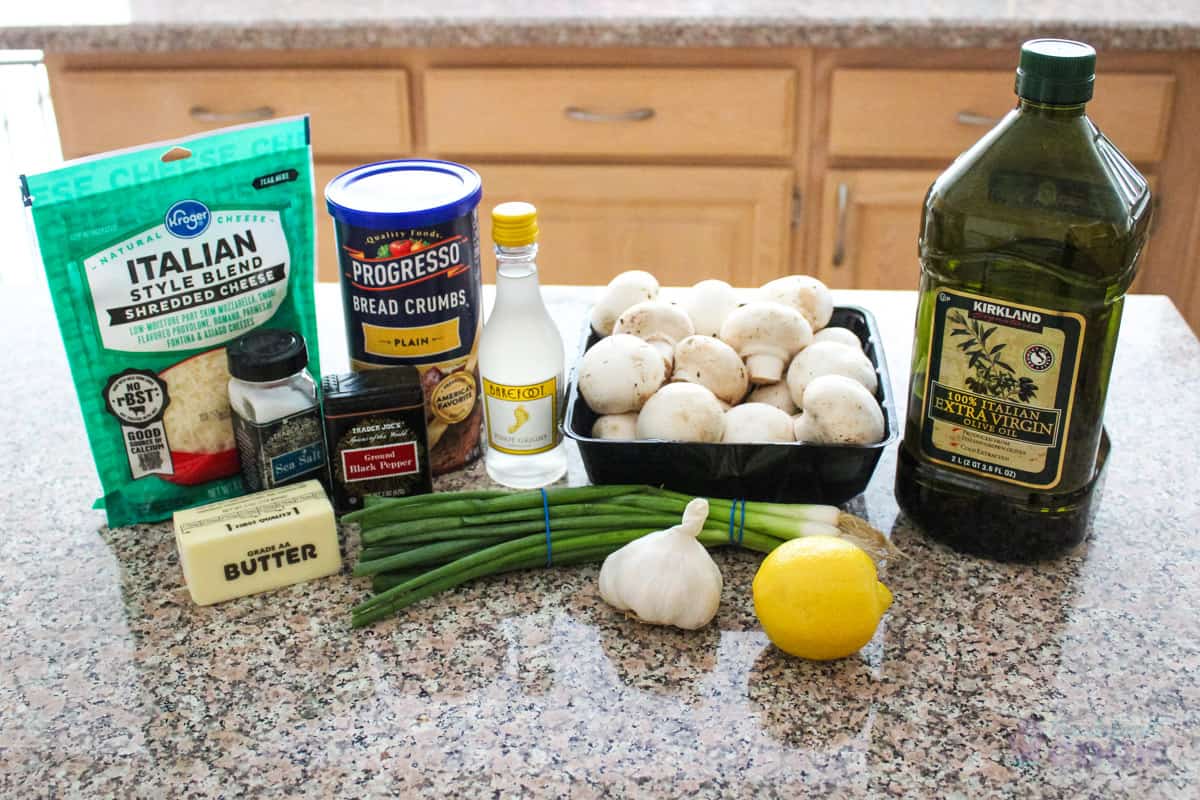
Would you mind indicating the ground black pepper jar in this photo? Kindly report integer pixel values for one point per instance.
(375, 435)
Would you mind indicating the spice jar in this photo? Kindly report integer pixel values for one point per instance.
(276, 418)
(375, 435)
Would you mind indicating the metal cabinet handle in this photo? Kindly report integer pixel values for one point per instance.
(584, 115)
(203, 114)
(839, 237)
(973, 118)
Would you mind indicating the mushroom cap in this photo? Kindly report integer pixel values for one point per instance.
(773, 394)
(829, 358)
(626, 289)
(619, 373)
(682, 412)
(804, 293)
(708, 303)
(767, 334)
(615, 426)
(757, 422)
(839, 410)
(661, 324)
(840, 335)
(712, 364)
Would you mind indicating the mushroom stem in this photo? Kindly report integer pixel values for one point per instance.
(666, 349)
(764, 368)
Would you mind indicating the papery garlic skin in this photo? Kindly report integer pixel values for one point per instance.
(666, 577)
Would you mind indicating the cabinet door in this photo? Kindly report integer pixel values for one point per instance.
(326, 247)
(683, 224)
(937, 114)
(621, 112)
(869, 225)
(354, 112)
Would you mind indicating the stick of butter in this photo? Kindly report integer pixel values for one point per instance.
(257, 542)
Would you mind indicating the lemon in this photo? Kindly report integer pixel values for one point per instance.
(819, 597)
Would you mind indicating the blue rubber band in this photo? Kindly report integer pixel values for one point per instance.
(546, 516)
(739, 526)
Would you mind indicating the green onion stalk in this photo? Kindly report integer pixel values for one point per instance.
(416, 547)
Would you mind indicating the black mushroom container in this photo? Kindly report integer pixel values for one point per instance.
(776, 472)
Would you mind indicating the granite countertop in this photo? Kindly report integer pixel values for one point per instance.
(167, 25)
(1068, 679)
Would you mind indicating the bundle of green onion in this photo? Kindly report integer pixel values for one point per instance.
(415, 547)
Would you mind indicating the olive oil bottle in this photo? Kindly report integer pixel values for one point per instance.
(1028, 244)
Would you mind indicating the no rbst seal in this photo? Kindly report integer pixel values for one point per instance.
(136, 397)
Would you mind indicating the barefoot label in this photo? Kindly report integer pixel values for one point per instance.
(522, 420)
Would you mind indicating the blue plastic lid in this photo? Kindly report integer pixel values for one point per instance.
(407, 193)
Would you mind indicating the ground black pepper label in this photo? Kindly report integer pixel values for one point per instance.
(1000, 388)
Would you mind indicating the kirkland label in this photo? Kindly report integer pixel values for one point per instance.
(1000, 386)
(385, 461)
(522, 420)
(198, 279)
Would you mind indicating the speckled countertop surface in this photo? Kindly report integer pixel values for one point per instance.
(168, 25)
(1079, 678)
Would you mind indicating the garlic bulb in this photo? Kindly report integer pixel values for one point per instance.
(666, 577)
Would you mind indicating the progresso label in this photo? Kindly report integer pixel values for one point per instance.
(411, 296)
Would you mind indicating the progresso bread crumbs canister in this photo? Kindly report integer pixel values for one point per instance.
(408, 250)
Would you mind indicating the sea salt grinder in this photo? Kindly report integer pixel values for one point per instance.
(276, 418)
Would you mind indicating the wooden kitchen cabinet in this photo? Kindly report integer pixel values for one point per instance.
(869, 225)
(681, 223)
(940, 113)
(326, 246)
(619, 112)
(755, 162)
(354, 112)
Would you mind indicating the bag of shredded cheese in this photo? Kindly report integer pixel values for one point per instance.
(156, 257)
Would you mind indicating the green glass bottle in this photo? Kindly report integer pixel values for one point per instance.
(1028, 244)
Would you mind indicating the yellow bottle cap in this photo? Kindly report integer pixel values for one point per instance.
(514, 224)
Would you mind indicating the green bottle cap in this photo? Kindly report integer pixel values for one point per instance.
(1056, 71)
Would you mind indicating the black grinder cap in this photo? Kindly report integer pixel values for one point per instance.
(372, 390)
(266, 354)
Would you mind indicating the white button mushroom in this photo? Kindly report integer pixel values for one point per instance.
(805, 294)
(615, 426)
(840, 335)
(682, 412)
(757, 422)
(618, 374)
(712, 364)
(661, 324)
(708, 303)
(623, 291)
(839, 410)
(773, 394)
(766, 335)
(829, 358)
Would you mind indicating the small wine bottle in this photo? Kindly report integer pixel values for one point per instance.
(521, 362)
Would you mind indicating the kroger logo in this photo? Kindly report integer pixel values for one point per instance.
(187, 219)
